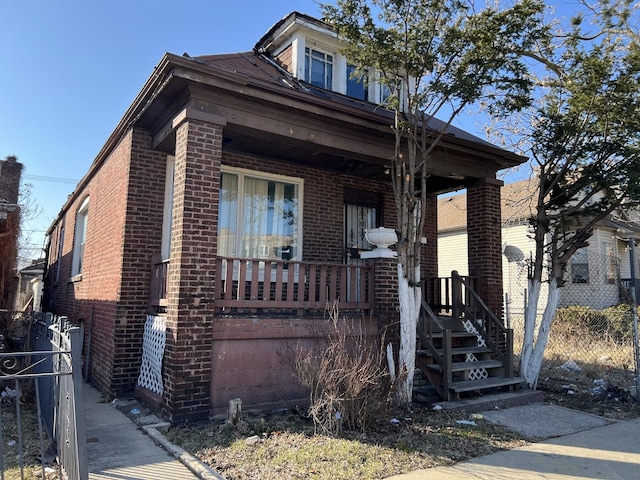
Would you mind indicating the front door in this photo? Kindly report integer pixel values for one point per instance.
(357, 219)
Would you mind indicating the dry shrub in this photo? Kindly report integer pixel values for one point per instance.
(614, 324)
(345, 376)
(600, 343)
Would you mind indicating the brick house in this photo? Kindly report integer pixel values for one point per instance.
(10, 175)
(229, 206)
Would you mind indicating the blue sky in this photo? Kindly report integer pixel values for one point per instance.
(71, 68)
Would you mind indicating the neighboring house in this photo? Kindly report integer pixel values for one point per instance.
(598, 275)
(229, 207)
(30, 285)
(10, 174)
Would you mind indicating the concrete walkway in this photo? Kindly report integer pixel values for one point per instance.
(118, 449)
(597, 450)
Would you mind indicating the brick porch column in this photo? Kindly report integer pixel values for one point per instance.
(386, 298)
(191, 275)
(485, 240)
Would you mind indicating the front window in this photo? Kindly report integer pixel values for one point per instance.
(318, 68)
(80, 237)
(580, 266)
(356, 84)
(259, 216)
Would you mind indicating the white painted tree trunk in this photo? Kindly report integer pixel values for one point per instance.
(530, 320)
(533, 352)
(410, 301)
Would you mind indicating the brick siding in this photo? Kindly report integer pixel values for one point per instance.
(485, 240)
(191, 274)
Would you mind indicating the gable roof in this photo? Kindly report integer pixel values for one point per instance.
(517, 206)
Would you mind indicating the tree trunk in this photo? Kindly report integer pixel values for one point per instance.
(530, 320)
(409, 300)
(531, 364)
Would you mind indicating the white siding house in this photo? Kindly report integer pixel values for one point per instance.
(595, 276)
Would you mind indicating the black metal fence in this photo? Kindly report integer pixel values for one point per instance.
(45, 376)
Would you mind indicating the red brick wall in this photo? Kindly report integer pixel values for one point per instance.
(111, 298)
(10, 173)
(430, 249)
(192, 270)
(92, 298)
(142, 235)
(485, 240)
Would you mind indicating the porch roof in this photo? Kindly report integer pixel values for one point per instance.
(269, 112)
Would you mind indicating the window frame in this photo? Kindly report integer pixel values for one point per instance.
(576, 265)
(362, 81)
(328, 75)
(609, 253)
(59, 251)
(167, 214)
(241, 173)
(79, 239)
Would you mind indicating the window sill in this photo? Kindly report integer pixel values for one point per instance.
(76, 278)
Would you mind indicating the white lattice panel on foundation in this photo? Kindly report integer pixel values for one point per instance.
(152, 352)
(476, 373)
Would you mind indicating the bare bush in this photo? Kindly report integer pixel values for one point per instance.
(345, 376)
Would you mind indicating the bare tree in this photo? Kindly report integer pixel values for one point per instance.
(583, 136)
(436, 58)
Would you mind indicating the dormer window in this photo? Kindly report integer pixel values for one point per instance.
(356, 85)
(308, 49)
(318, 68)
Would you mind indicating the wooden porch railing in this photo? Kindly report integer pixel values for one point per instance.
(251, 285)
(244, 284)
(468, 305)
(439, 293)
(455, 299)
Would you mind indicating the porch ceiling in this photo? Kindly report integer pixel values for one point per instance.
(239, 139)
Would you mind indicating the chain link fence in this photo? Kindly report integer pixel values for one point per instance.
(591, 338)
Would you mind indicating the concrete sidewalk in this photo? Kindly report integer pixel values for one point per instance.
(597, 450)
(118, 449)
(583, 446)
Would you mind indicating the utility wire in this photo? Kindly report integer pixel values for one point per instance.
(41, 178)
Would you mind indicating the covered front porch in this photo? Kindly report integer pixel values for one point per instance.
(240, 158)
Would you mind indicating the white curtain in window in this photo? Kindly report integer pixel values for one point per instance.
(258, 218)
(255, 202)
(228, 215)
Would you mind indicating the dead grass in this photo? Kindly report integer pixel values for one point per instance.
(283, 445)
(30, 433)
(30, 442)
